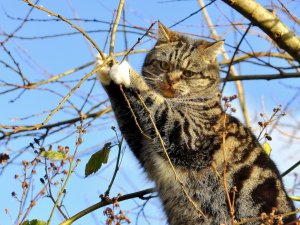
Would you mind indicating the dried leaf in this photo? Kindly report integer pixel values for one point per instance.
(97, 159)
(53, 155)
(3, 158)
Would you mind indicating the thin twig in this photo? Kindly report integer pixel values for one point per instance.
(138, 41)
(249, 55)
(125, 31)
(232, 58)
(239, 85)
(57, 77)
(229, 202)
(71, 159)
(109, 30)
(82, 80)
(192, 14)
(24, 192)
(285, 9)
(169, 160)
(40, 194)
(269, 23)
(117, 167)
(70, 23)
(115, 26)
(104, 202)
(133, 114)
(20, 26)
(290, 169)
(19, 71)
(60, 123)
(245, 221)
(262, 77)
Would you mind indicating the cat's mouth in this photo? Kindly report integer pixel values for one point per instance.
(167, 90)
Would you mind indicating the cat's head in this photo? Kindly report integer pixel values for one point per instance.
(179, 67)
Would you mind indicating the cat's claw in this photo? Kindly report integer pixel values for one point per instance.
(120, 73)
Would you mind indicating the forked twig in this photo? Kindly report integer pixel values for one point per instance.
(70, 170)
(275, 216)
(104, 202)
(70, 23)
(82, 80)
(138, 41)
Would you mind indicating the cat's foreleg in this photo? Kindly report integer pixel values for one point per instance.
(121, 74)
(111, 79)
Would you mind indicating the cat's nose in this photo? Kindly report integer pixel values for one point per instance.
(173, 77)
(170, 81)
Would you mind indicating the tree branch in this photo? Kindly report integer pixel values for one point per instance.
(270, 24)
(241, 58)
(52, 125)
(139, 194)
(263, 77)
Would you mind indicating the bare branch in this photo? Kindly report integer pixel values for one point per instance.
(250, 55)
(68, 22)
(270, 24)
(104, 202)
(114, 28)
(53, 125)
(263, 77)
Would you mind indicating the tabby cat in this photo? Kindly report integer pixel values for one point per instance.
(180, 87)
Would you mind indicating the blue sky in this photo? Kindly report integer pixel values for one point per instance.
(43, 57)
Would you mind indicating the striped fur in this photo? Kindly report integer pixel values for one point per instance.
(180, 86)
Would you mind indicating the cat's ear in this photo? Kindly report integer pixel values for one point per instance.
(165, 35)
(211, 52)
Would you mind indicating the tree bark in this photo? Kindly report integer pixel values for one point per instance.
(270, 24)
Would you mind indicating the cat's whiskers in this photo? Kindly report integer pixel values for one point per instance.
(152, 75)
(152, 79)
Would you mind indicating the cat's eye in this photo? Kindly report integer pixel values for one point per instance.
(188, 73)
(164, 65)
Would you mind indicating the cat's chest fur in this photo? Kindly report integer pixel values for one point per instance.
(203, 186)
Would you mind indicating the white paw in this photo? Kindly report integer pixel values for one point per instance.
(120, 73)
(103, 73)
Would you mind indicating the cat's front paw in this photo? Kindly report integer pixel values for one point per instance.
(103, 73)
(120, 73)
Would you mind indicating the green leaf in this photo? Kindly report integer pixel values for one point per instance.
(53, 155)
(34, 222)
(267, 148)
(97, 159)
